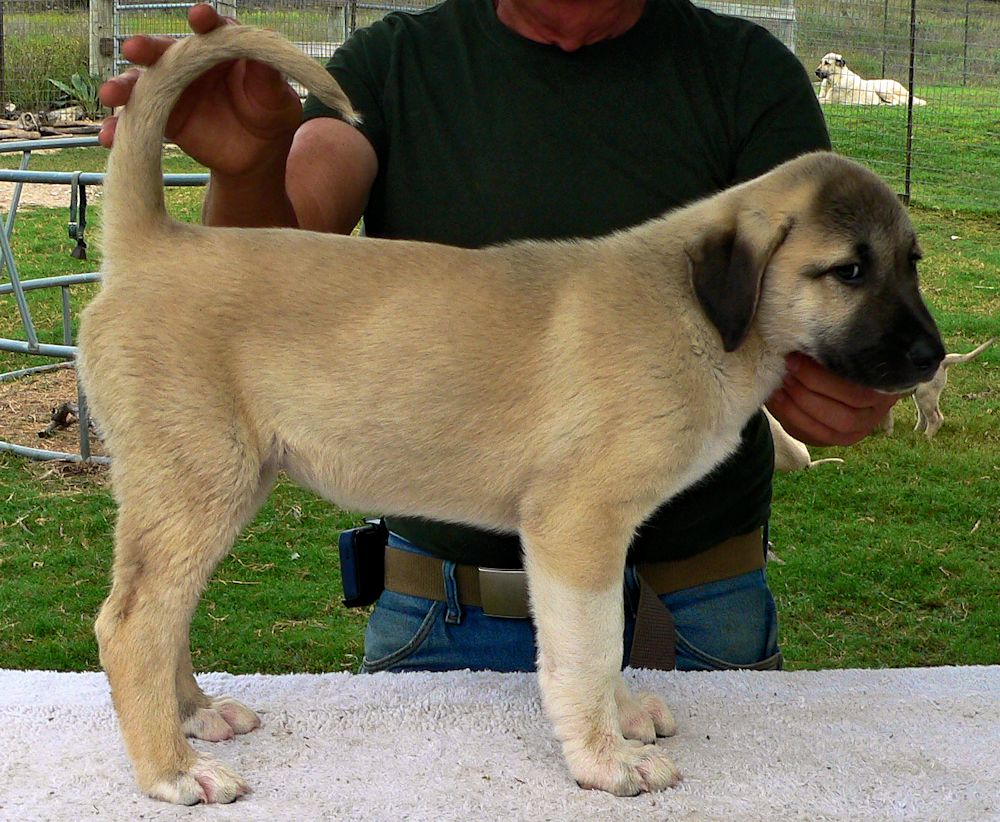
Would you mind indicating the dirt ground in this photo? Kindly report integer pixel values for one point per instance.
(48, 196)
(26, 406)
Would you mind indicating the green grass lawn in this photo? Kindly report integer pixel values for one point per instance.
(888, 560)
(273, 605)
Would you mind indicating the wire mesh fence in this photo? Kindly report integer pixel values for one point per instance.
(939, 147)
(40, 41)
(942, 151)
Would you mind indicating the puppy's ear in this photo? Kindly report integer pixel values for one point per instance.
(841, 62)
(727, 263)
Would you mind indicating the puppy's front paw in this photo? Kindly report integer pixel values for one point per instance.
(223, 719)
(643, 716)
(208, 780)
(622, 768)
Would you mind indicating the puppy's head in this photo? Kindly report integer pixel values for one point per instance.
(829, 65)
(819, 256)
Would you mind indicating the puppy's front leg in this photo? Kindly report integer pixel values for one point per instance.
(576, 596)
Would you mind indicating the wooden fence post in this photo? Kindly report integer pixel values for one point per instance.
(102, 32)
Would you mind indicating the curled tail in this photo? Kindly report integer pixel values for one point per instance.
(954, 359)
(133, 186)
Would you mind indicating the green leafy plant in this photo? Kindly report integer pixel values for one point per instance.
(82, 90)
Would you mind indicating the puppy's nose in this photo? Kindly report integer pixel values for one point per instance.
(925, 355)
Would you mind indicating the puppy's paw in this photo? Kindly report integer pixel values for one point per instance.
(207, 780)
(623, 768)
(223, 719)
(643, 716)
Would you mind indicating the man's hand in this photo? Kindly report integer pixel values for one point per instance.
(237, 119)
(240, 120)
(820, 408)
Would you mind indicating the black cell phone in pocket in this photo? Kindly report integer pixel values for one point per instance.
(362, 563)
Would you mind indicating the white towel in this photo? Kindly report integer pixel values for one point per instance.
(918, 744)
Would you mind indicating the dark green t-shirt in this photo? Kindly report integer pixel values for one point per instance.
(483, 136)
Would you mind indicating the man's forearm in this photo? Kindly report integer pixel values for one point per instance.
(252, 201)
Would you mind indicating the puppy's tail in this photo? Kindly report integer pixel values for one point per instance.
(955, 359)
(133, 187)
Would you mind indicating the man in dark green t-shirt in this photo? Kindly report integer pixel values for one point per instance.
(483, 136)
(486, 122)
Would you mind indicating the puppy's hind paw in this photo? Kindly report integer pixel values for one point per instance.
(656, 709)
(643, 716)
(207, 781)
(223, 719)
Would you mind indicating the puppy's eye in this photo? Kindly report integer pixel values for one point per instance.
(850, 274)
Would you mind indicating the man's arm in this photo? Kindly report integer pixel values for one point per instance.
(252, 200)
(320, 183)
(330, 171)
(238, 119)
(243, 121)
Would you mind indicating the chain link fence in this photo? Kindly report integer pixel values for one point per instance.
(945, 154)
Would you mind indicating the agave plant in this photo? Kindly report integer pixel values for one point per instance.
(82, 90)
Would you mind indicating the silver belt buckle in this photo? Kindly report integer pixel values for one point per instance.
(504, 592)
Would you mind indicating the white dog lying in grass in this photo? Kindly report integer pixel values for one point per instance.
(841, 85)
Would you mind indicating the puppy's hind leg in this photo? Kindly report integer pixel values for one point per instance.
(214, 718)
(888, 422)
(929, 416)
(927, 398)
(175, 523)
(575, 558)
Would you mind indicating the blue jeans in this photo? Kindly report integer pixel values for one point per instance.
(730, 623)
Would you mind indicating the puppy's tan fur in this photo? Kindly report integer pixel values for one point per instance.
(559, 390)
